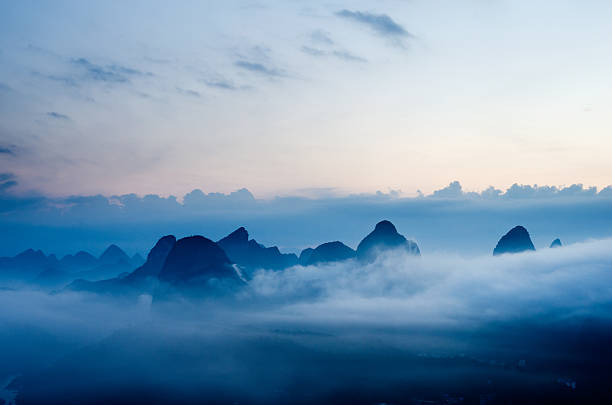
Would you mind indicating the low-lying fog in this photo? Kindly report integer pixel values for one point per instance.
(397, 330)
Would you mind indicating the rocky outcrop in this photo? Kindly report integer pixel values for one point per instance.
(384, 237)
(196, 259)
(326, 253)
(515, 241)
(252, 255)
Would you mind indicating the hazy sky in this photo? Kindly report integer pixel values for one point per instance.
(162, 97)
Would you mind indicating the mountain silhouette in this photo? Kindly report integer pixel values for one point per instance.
(384, 237)
(26, 265)
(515, 241)
(81, 260)
(252, 255)
(113, 255)
(142, 280)
(556, 243)
(305, 256)
(155, 259)
(196, 259)
(325, 253)
(137, 260)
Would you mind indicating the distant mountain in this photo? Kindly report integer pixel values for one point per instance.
(556, 243)
(79, 261)
(47, 271)
(142, 280)
(26, 265)
(197, 260)
(384, 237)
(305, 256)
(515, 241)
(326, 253)
(252, 255)
(113, 255)
(137, 260)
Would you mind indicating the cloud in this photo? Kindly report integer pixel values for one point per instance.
(310, 332)
(7, 150)
(443, 289)
(7, 181)
(313, 51)
(321, 37)
(58, 116)
(453, 190)
(454, 220)
(188, 92)
(344, 55)
(380, 23)
(223, 84)
(519, 191)
(258, 68)
(113, 73)
(349, 57)
(68, 81)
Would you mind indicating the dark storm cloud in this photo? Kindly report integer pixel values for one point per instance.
(380, 23)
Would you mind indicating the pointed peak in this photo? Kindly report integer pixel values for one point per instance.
(239, 235)
(113, 248)
(114, 253)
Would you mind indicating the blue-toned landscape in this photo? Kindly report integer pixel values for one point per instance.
(305, 202)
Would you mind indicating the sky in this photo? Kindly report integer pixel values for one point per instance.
(287, 97)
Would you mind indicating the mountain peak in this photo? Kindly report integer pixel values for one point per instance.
(385, 227)
(556, 243)
(326, 253)
(384, 237)
(515, 241)
(114, 254)
(239, 235)
(252, 255)
(196, 258)
(155, 259)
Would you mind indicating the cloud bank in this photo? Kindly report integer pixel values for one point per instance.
(502, 319)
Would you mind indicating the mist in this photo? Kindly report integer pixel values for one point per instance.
(388, 331)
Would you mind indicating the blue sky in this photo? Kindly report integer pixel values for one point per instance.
(156, 97)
